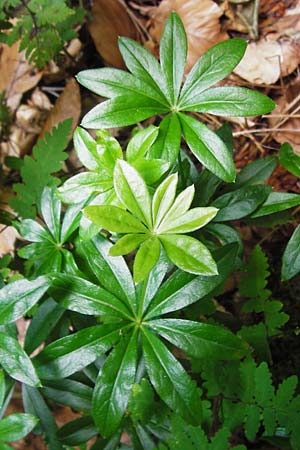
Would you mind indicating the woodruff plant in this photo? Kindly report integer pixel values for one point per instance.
(121, 339)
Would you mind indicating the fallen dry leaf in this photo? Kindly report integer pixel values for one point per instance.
(266, 60)
(201, 21)
(67, 105)
(109, 21)
(8, 236)
(281, 17)
(17, 75)
(288, 106)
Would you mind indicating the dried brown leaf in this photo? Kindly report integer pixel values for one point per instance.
(201, 21)
(266, 60)
(17, 75)
(289, 106)
(67, 105)
(110, 19)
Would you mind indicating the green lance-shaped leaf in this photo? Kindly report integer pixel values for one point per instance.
(70, 393)
(189, 254)
(201, 340)
(86, 148)
(146, 258)
(276, 202)
(112, 272)
(170, 380)
(151, 170)
(163, 198)
(230, 101)
(32, 231)
(144, 66)
(114, 219)
(190, 221)
(289, 159)
(167, 144)
(241, 202)
(127, 244)
(122, 111)
(208, 148)
(140, 143)
(35, 404)
(132, 191)
(16, 426)
(109, 82)
(79, 187)
(15, 361)
(19, 297)
(183, 289)
(51, 210)
(82, 296)
(114, 385)
(72, 353)
(291, 256)
(173, 52)
(181, 204)
(213, 66)
(255, 172)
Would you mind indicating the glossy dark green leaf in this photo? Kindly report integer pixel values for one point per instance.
(189, 254)
(51, 210)
(140, 143)
(15, 361)
(141, 403)
(143, 65)
(213, 66)
(77, 294)
(225, 234)
(183, 289)
(173, 52)
(276, 202)
(122, 111)
(255, 172)
(70, 393)
(170, 380)
(78, 188)
(206, 186)
(72, 353)
(240, 203)
(70, 221)
(41, 324)
(148, 288)
(208, 148)
(109, 82)
(33, 231)
(146, 258)
(201, 340)
(167, 144)
(132, 191)
(20, 296)
(230, 102)
(78, 431)
(291, 256)
(35, 404)
(16, 426)
(114, 219)
(114, 385)
(289, 159)
(111, 271)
